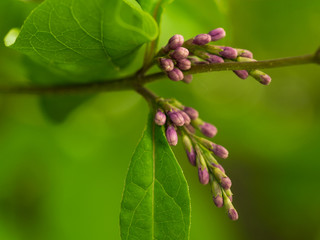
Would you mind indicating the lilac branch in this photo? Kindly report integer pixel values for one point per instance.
(136, 81)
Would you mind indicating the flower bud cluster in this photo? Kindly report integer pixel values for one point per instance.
(180, 55)
(184, 121)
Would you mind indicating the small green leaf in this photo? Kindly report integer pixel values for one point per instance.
(156, 201)
(86, 39)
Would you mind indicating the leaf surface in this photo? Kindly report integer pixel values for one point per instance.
(156, 201)
(86, 39)
(154, 7)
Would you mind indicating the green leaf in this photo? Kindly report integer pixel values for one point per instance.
(154, 7)
(86, 39)
(156, 201)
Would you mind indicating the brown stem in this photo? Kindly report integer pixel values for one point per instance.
(136, 81)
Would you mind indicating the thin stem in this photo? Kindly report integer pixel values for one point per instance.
(133, 82)
(150, 96)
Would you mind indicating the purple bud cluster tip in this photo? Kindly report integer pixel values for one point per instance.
(180, 55)
(217, 34)
(182, 120)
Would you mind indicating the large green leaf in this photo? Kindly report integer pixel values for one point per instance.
(154, 7)
(156, 202)
(86, 39)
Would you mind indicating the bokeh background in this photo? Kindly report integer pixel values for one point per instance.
(65, 181)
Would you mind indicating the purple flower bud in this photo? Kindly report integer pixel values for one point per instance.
(184, 64)
(176, 118)
(233, 215)
(219, 151)
(193, 114)
(166, 64)
(228, 52)
(203, 175)
(214, 59)
(208, 129)
(180, 53)
(226, 183)
(175, 74)
(246, 53)
(218, 201)
(243, 74)
(175, 42)
(160, 118)
(186, 117)
(187, 78)
(202, 39)
(217, 34)
(192, 156)
(190, 128)
(171, 135)
(265, 79)
(189, 149)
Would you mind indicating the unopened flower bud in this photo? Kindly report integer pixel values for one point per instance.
(232, 212)
(160, 118)
(217, 34)
(184, 64)
(203, 175)
(216, 192)
(187, 78)
(221, 177)
(203, 172)
(175, 74)
(261, 77)
(226, 183)
(243, 74)
(172, 136)
(214, 59)
(208, 129)
(189, 149)
(193, 114)
(186, 117)
(176, 118)
(228, 52)
(265, 79)
(201, 39)
(175, 42)
(190, 128)
(180, 53)
(219, 151)
(246, 53)
(166, 64)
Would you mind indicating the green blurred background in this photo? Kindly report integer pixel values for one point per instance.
(65, 181)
